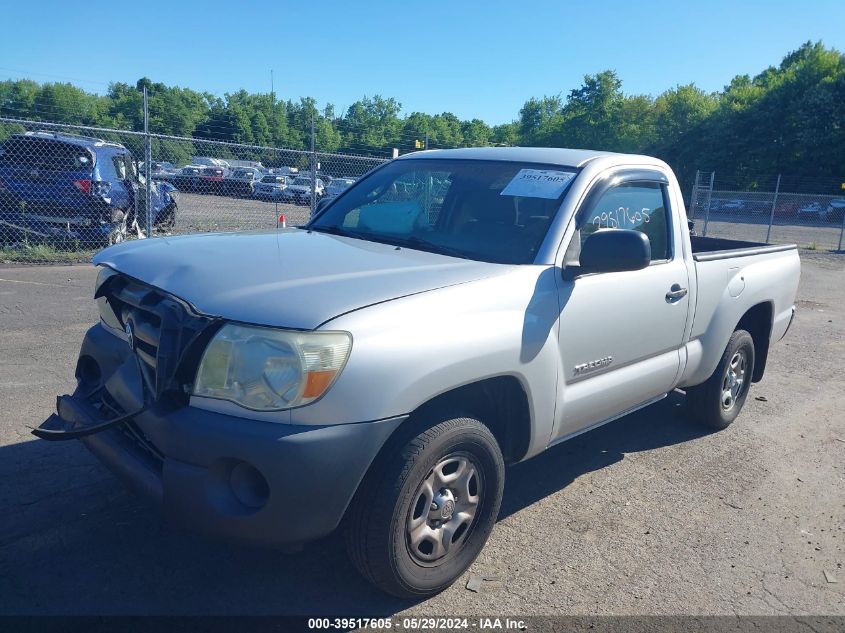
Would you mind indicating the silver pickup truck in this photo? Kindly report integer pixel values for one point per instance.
(448, 314)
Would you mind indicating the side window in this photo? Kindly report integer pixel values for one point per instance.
(639, 206)
(119, 166)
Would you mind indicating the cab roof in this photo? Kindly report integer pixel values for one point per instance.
(548, 155)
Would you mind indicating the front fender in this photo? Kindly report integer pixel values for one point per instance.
(409, 350)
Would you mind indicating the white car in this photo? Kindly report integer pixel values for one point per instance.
(338, 186)
(733, 205)
(272, 186)
(811, 211)
(299, 192)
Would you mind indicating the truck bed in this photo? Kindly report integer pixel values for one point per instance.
(710, 248)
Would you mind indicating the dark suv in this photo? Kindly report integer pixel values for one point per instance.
(60, 187)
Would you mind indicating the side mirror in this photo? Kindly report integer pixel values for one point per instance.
(615, 250)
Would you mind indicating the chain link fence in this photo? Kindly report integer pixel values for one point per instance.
(771, 212)
(67, 191)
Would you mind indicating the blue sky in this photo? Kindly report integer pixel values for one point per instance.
(476, 59)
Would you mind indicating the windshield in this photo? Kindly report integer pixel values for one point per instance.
(493, 211)
(302, 181)
(273, 179)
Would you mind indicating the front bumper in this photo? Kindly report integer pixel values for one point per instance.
(262, 482)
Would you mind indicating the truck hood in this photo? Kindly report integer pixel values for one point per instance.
(288, 278)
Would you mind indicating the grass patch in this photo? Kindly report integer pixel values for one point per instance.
(44, 254)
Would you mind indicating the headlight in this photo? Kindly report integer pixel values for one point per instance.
(269, 370)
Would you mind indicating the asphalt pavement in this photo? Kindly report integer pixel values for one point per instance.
(647, 515)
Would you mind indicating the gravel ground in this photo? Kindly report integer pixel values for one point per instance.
(817, 235)
(200, 213)
(647, 515)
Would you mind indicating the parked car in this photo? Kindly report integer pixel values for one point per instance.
(733, 205)
(211, 179)
(835, 210)
(241, 181)
(63, 187)
(160, 171)
(299, 191)
(239, 392)
(338, 186)
(811, 211)
(284, 171)
(207, 161)
(188, 178)
(271, 186)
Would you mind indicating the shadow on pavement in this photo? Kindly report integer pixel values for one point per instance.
(75, 542)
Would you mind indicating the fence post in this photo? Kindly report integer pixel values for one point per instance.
(148, 171)
(709, 198)
(313, 168)
(774, 204)
(841, 231)
(693, 201)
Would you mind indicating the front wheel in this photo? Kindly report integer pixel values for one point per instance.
(717, 402)
(423, 512)
(166, 221)
(118, 231)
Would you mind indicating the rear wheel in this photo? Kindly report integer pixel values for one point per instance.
(717, 402)
(423, 513)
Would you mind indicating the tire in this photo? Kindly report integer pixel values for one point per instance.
(717, 402)
(119, 228)
(403, 495)
(167, 219)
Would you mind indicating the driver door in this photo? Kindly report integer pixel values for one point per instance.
(621, 333)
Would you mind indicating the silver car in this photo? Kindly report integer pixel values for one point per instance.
(451, 313)
(271, 187)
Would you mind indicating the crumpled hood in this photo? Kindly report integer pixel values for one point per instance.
(288, 278)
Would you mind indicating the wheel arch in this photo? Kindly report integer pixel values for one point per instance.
(757, 321)
(500, 402)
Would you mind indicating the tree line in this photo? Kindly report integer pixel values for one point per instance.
(788, 119)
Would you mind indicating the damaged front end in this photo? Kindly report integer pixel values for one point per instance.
(163, 339)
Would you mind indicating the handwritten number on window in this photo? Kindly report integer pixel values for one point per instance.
(622, 218)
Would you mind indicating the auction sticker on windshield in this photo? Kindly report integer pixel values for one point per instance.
(538, 183)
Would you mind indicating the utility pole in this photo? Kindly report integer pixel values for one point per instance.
(426, 140)
(272, 88)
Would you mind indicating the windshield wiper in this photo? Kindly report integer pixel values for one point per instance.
(408, 242)
(424, 245)
(336, 230)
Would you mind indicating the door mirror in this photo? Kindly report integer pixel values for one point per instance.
(615, 250)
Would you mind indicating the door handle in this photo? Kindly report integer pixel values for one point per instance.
(676, 292)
